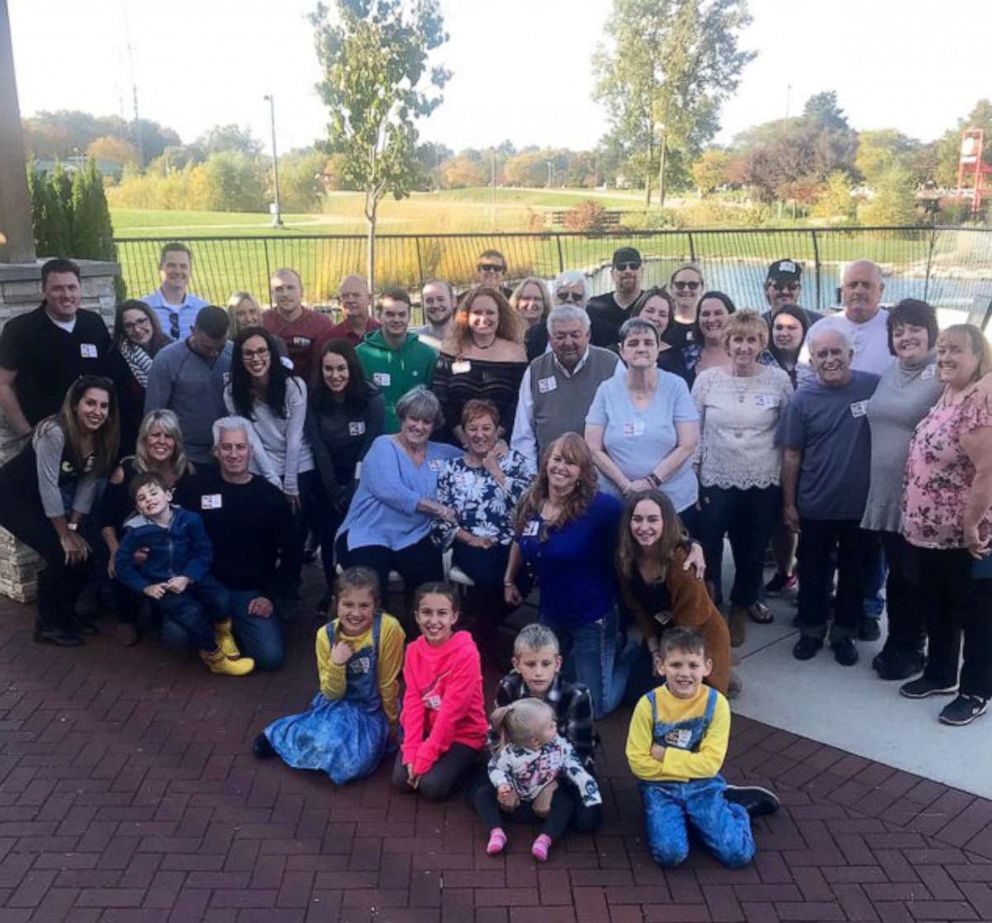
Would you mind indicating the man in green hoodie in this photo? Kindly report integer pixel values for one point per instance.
(392, 357)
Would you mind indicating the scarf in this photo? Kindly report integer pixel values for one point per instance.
(138, 361)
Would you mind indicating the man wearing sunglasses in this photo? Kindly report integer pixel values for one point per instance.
(491, 270)
(783, 285)
(570, 287)
(607, 312)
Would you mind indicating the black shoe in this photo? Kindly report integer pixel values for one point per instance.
(845, 651)
(58, 637)
(262, 748)
(806, 647)
(922, 688)
(896, 665)
(963, 710)
(868, 629)
(757, 801)
(775, 586)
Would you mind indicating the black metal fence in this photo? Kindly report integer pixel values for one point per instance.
(948, 266)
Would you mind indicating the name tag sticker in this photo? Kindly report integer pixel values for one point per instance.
(87, 350)
(436, 464)
(545, 385)
(461, 367)
(301, 341)
(766, 400)
(382, 379)
(928, 372)
(356, 428)
(633, 428)
(859, 408)
(211, 502)
(358, 470)
(532, 528)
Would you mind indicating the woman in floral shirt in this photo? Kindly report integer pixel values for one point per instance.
(947, 518)
(483, 487)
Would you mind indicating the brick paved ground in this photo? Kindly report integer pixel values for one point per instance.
(128, 793)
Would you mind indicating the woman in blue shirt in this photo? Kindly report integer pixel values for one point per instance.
(388, 526)
(565, 535)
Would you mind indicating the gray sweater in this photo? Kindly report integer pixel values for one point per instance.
(183, 381)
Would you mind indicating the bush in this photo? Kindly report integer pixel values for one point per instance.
(588, 215)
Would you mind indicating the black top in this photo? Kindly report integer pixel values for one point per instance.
(607, 317)
(536, 341)
(672, 360)
(130, 400)
(653, 598)
(456, 382)
(679, 335)
(48, 359)
(117, 506)
(249, 525)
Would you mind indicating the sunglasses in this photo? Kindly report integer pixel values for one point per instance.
(573, 297)
(786, 287)
(490, 267)
(630, 264)
(683, 286)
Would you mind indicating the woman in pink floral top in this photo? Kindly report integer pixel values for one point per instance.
(947, 518)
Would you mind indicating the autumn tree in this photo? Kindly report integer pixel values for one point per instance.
(114, 150)
(880, 150)
(711, 171)
(377, 83)
(670, 66)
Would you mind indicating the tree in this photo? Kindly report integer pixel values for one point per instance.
(672, 64)
(113, 149)
(880, 150)
(301, 180)
(823, 109)
(49, 214)
(835, 202)
(376, 85)
(228, 138)
(710, 172)
(950, 144)
(463, 171)
(529, 169)
(894, 201)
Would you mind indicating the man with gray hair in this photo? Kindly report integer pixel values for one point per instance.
(558, 387)
(827, 452)
(570, 287)
(250, 527)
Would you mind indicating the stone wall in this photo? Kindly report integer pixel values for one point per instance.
(20, 291)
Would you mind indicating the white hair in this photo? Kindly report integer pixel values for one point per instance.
(571, 277)
(567, 312)
(229, 424)
(828, 325)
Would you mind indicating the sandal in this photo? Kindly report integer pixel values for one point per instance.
(760, 613)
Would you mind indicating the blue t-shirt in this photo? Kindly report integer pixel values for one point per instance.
(574, 565)
(638, 439)
(830, 427)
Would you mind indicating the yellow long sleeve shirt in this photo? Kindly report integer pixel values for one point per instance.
(678, 765)
(389, 660)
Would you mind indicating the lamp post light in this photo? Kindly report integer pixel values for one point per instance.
(276, 211)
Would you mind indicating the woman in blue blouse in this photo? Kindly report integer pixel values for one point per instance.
(388, 525)
(565, 536)
(482, 487)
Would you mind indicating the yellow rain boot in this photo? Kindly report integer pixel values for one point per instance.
(218, 662)
(225, 638)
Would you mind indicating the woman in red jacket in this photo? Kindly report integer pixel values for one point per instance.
(443, 718)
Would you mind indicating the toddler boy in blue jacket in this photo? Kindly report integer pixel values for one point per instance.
(175, 573)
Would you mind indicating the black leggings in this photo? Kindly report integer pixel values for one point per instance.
(416, 564)
(443, 777)
(493, 815)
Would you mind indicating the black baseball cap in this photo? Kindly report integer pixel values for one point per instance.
(784, 271)
(626, 255)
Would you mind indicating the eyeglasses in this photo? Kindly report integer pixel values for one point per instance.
(785, 287)
(490, 267)
(565, 297)
(630, 264)
(255, 353)
(683, 286)
(135, 324)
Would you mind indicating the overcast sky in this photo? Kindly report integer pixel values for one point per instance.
(521, 67)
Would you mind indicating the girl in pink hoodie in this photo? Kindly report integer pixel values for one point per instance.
(443, 719)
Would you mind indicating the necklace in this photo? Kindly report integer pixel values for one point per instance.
(476, 344)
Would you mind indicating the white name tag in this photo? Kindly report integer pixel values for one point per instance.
(382, 379)
(633, 428)
(461, 367)
(301, 341)
(928, 372)
(211, 502)
(766, 400)
(87, 350)
(358, 470)
(859, 408)
(544, 385)
(357, 428)
(436, 464)
(532, 528)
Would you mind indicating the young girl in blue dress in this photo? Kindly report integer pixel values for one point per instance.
(348, 728)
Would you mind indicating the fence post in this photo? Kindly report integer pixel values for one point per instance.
(420, 263)
(692, 248)
(268, 266)
(816, 263)
(561, 258)
(933, 244)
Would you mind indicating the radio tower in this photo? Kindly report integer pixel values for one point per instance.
(134, 88)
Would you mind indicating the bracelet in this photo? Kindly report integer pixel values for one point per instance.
(654, 480)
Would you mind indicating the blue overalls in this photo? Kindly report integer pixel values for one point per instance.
(669, 807)
(347, 737)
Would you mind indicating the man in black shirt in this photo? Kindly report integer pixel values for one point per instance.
(250, 525)
(47, 349)
(783, 285)
(607, 312)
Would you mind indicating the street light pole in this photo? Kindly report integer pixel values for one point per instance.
(277, 214)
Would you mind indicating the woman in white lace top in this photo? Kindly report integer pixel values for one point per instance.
(739, 465)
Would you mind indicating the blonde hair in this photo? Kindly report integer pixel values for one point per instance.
(741, 323)
(519, 722)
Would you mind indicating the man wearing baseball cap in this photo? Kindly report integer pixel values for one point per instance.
(783, 286)
(607, 312)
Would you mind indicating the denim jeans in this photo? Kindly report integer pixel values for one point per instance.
(591, 658)
(671, 807)
(748, 517)
(258, 638)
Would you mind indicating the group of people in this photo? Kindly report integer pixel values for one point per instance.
(600, 450)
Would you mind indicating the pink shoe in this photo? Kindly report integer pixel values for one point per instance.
(497, 841)
(541, 847)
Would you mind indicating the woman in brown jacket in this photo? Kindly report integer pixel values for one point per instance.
(656, 589)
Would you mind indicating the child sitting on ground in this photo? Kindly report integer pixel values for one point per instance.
(346, 730)
(537, 673)
(175, 573)
(525, 770)
(676, 746)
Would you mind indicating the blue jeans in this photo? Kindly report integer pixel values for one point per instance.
(669, 809)
(749, 518)
(590, 655)
(258, 638)
(194, 612)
